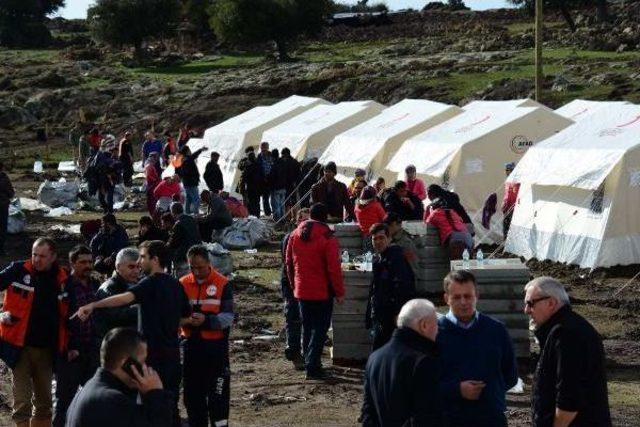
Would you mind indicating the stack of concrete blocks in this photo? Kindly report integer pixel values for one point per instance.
(349, 238)
(433, 258)
(351, 340)
(501, 292)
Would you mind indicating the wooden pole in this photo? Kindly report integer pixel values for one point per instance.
(538, 51)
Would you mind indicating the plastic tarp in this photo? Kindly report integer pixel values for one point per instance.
(67, 166)
(220, 258)
(584, 154)
(309, 134)
(232, 136)
(371, 144)
(246, 233)
(59, 193)
(17, 220)
(580, 109)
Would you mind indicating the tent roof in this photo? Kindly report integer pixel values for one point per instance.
(514, 103)
(260, 116)
(358, 146)
(583, 154)
(433, 150)
(577, 109)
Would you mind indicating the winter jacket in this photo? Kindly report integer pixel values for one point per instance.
(151, 146)
(393, 203)
(570, 374)
(313, 262)
(250, 176)
(335, 196)
(153, 233)
(167, 188)
(416, 186)
(217, 213)
(446, 224)
(510, 198)
(452, 201)
(189, 170)
(116, 317)
(213, 177)
(6, 189)
(278, 177)
(152, 177)
(368, 215)
(401, 383)
(108, 244)
(292, 172)
(183, 235)
(105, 401)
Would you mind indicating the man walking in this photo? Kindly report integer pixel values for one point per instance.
(570, 384)
(206, 345)
(313, 267)
(190, 175)
(401, 378)
(392, 285)
(6, 194)
(75, 367)
(33, 328)
(292, 321)
(478, 362)
(163, 304)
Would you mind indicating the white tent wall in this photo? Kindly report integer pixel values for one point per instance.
(580, 109)
(513, 103)
(309, 134)
(371, 144)
(231, 137)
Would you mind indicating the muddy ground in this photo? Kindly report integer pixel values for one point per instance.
(266, 391)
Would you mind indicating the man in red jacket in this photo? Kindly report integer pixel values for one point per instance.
(313, 267)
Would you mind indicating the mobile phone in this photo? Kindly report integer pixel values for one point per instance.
(126, 366)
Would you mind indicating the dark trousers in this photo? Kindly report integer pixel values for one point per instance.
(4, 221)
(167, 365)
(382, 331)
(292, 321)
(105, 196)
(506, 223)
(127, 174)
(316, 319)
(253, 203)
(70, 375)
(206, 382)
(266, 202)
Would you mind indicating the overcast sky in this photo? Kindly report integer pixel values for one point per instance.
(78, 8)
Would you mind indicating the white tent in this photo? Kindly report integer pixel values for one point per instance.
(580, 192)
(513, 103)
(371, 144)
(232, 136)
(578, 109)
(467, 153)
(307, 135)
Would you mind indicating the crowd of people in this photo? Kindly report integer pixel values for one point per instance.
(120, 348)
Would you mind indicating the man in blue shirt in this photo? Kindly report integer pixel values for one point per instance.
(478, 361)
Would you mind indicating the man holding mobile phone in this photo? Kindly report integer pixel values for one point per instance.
(110, 397)
(206, 346)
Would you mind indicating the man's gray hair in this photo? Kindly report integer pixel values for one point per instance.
(549, 287)
(414, 311)
(127, 255)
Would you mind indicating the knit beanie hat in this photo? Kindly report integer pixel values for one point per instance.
(331, 166)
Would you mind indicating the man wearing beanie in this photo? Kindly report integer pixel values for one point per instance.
(333, 194)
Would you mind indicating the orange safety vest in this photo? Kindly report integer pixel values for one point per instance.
(207, 296)
(18, 300)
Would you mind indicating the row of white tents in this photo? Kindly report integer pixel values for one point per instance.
(579, 166)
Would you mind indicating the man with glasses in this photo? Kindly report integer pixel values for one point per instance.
(478, 362)
(570, 385)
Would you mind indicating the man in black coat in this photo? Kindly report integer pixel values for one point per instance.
(401, 378)
(190, 175)
(404, 203)
(110, 397)
(213, 175)
(392, 285)
(6, 194)
(570, 384)
(250, 184)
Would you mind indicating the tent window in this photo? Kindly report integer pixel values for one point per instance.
(596, 200)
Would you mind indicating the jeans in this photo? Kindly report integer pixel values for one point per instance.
(277, 203)
(70, 375)
(316, 319)
(192, 204)
(292, 322)
(206, 382)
